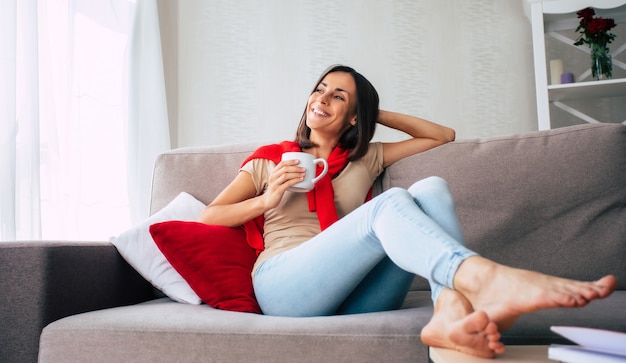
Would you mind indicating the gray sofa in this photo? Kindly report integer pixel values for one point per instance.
(553, 201)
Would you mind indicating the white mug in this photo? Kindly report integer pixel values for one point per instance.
(309, 162)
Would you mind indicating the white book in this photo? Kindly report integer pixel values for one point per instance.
(578, 354)
(594, 345)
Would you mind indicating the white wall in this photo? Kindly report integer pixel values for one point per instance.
(245, 67)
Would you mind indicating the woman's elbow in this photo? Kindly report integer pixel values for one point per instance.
(449, 135)
(204, 216)
(210, 216)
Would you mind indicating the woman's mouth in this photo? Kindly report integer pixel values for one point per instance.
(320, 112)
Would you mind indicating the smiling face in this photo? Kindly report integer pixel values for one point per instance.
(331, 108)
(341, 96)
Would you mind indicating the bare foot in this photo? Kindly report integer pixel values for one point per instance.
(455, 325)
(506, 293)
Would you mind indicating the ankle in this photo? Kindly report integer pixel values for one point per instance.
(469, 278)
(452, 301)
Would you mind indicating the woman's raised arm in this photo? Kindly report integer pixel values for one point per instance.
(424, 134)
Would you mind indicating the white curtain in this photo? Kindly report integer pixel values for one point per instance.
(19, 112)
(148, 127)
(65, 116)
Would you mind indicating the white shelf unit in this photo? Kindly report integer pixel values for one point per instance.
(548, 16)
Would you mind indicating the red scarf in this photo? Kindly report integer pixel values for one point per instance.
(321, 198)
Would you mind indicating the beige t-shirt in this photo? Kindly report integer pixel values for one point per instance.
(291, 223)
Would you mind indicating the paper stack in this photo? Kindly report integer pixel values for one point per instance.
(594, 345)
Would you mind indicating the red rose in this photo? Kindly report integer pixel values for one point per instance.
(586, 14)
(600, 25)
(593, 30)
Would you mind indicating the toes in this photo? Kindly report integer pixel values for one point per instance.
(477, 335)
(471, 332)
(606, 285)
(492, 329)
(496, 347)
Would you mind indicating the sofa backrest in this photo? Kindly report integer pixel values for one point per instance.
(552, 201)
(200, 171)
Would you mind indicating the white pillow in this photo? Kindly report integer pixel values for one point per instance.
(139, 250)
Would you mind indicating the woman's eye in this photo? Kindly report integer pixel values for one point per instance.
(339, 97)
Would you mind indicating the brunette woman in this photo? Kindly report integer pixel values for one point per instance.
(334, 251)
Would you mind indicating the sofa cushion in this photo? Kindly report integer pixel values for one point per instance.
(216, 261)
(164, 331)
(139, 250)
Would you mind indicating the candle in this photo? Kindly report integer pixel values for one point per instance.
(567, 78)
(556, 69)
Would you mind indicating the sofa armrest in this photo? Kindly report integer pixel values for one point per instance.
(43, 281)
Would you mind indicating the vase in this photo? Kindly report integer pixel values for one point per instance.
(601, 62)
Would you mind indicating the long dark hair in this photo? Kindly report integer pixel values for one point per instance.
(357, 138)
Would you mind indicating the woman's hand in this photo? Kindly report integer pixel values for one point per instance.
(239, 203)
(286, 174)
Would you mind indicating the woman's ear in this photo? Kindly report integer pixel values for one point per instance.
(353, 121)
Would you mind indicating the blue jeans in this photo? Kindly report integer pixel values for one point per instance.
(366, 261)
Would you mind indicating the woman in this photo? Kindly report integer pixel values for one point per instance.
(327, 252)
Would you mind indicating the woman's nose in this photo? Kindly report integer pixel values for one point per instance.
(323, 98)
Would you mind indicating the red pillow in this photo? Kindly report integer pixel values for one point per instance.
(215, 261)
